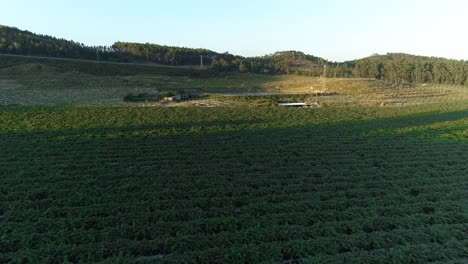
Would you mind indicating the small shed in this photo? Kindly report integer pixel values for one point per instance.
(177, 98)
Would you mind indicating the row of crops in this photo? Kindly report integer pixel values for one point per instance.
(227, 185)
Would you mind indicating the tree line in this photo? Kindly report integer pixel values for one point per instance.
(404, 68)
(392, 67)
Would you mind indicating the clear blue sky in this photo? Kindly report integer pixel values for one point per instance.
(334, 29)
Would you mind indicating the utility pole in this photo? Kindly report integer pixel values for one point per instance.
(324, 83)
(325, 77)
(97, 54)
(201, 61)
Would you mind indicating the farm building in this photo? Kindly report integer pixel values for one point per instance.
(295, 105)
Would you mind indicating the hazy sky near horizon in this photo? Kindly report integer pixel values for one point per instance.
(337, 30)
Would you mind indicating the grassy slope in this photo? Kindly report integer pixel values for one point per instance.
(233, 185)
(32, 81)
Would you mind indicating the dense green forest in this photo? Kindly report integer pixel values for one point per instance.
(392, 67)
(401, 68)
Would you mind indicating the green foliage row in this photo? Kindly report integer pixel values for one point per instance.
(13, 118)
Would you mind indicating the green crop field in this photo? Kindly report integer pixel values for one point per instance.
(116, 184)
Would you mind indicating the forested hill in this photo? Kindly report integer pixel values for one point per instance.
(19, 42)
(392, 67)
